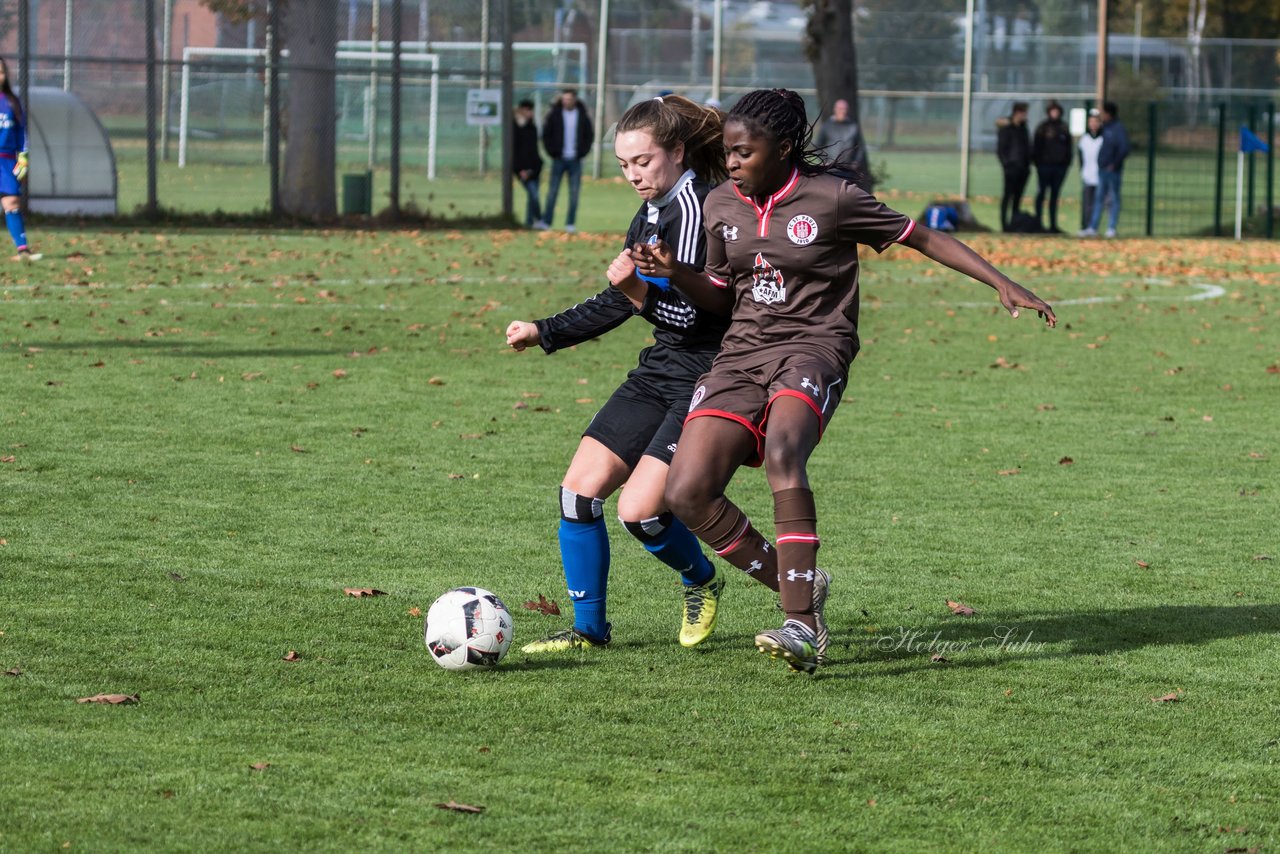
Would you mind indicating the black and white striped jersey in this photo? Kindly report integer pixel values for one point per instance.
(676, 219)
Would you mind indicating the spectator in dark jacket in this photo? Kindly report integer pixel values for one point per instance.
(567, 136)
(1013, 147)
(1051, 151)
(1111, 157)
(526, 162)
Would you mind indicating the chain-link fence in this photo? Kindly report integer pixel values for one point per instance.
(185, 89)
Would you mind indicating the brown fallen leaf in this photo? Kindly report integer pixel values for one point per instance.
(1274, 369)
(13, 671)
(543, 606)
(1045, 407)
(939, 658)
(1262, 557)
(415, 611)
(1065, 461)
(457, 476)
(457, 807)
(260, 766)
(111, 699)
(177, 577)
(358, 592)
(8, 459)
(1143, 564)
(1006, 472)
(520, 404)
(297, 449)
(960, 609)
(1171, 697)
(484, 750)
(291, 655)
(1002, 362)
(339, 374)
(435, 381)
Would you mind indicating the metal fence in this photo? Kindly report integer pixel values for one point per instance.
(185, 93)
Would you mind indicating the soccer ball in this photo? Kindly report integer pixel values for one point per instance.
(467, 628)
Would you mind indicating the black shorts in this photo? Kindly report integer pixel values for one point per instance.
(645, 415)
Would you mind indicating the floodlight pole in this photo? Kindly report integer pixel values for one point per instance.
(966, 109)
(505, 111)
(602, 51)
(396, 11)
(717, 50)
(1102, 53)
(166, 48)
(273, 100)
(66, 46)
(150, 14)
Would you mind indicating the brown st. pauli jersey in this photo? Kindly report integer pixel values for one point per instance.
(792, 262)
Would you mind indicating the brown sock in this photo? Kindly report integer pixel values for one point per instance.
(731, 535)
(796, 518)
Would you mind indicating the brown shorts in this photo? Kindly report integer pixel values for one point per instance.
(742, 388)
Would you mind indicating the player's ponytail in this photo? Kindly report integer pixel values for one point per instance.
(7, 91)
(673, 119)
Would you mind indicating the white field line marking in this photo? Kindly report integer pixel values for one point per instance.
(314, 283)
(1205, 292)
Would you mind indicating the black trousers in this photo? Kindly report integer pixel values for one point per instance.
(1015, 181)
(1049, 179)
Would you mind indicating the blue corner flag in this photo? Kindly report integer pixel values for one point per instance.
(1249, 142)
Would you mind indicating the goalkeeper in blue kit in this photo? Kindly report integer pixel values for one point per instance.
(13, 164)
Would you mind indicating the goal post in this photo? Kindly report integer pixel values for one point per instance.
(189, 54)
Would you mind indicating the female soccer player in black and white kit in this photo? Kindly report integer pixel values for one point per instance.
(782, 253)
(670, 150)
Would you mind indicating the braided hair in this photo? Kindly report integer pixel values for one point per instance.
(779, 114)
(673, 119)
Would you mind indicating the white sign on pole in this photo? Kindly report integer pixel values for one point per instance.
(483, 107)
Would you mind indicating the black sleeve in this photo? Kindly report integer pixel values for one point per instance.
(680, 227)
(589, 319)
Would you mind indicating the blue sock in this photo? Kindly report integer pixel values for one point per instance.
(13, 219)
(666, 538)
(584, 551)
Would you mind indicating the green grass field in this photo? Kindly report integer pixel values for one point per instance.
(208, 435)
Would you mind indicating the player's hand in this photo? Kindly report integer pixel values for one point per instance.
(522, 334)
(20, 170)
(621, 270)
(1014, 296)
(654, 259)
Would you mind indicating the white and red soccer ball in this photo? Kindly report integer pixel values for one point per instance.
(468, 628)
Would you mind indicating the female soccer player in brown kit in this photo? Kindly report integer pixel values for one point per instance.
(782, 252)
(669, 149)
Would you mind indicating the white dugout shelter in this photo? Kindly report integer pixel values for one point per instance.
(73, 168)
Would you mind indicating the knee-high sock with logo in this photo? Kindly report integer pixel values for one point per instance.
(730, 534)
(666, 538)
(796, 518)
(584, 552)
(17, 230)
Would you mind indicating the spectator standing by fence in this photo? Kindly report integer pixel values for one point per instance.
(526, 162)
(1013, 147)
(1051, 153)
(567, 135)
(1111, 156)
(1089, 146)
(839, 140)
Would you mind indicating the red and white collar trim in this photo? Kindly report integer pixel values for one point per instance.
(762, 213)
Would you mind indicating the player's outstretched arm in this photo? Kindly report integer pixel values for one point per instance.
(657, 260)
(522, 334)
(948, 251)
